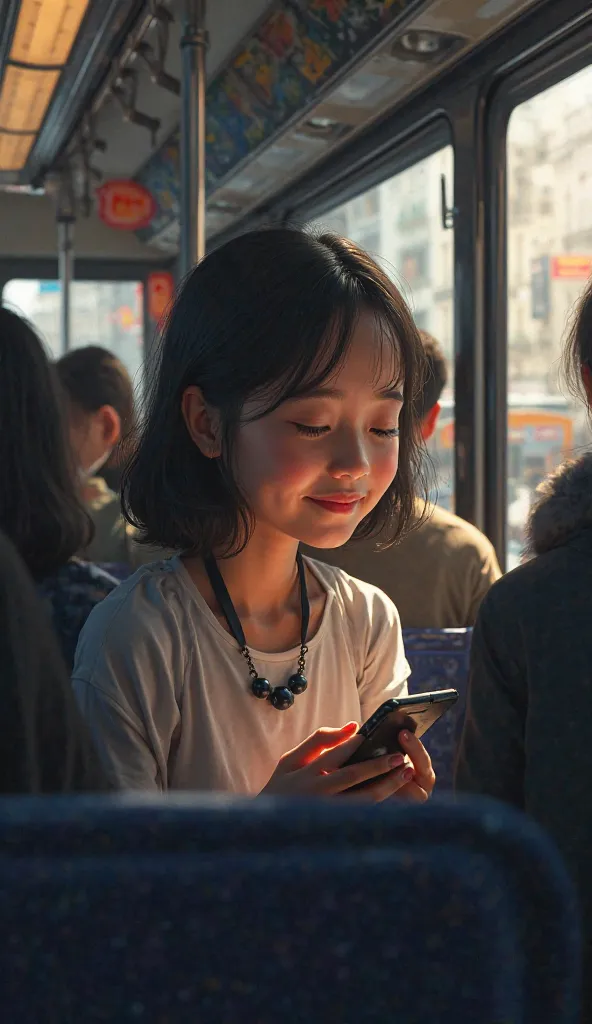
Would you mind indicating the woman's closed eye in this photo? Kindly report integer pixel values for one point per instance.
(302, 428)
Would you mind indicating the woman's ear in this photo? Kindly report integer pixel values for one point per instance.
(202, 422)
(110, 425)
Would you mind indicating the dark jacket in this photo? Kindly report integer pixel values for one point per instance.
(528, 732)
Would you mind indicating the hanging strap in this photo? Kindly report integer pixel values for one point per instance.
(225, 601)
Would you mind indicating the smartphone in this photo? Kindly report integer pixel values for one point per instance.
(416, 714)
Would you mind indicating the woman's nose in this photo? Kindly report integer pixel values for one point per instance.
(350, 459)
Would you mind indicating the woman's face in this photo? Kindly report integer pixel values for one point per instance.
(316, 466)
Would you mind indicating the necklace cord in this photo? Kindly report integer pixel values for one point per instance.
(234, 624)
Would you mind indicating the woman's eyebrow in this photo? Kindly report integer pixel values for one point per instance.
(393, 393)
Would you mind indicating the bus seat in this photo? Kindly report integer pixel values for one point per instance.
(119, 570)
(439, 660)
(220, 910)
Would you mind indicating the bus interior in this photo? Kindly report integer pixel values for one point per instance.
(449, 138)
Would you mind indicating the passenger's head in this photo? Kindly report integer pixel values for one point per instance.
(288, 366)
(436, 377)
(100, 398)
(39, 506)
(577, 356)
(45, 745)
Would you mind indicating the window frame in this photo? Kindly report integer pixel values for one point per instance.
(403, 152)
(88, 269)
(558, 61)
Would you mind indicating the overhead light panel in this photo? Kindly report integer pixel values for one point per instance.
(43, 39)
(45, 31)
(14, 150)
(25, 97)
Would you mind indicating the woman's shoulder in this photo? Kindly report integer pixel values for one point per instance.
(354, 596)
(151, 601)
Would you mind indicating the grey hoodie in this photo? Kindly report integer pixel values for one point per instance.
(528, 731)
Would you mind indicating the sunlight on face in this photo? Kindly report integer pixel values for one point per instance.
(316, 466)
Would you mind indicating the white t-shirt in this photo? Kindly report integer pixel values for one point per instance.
(166, 691)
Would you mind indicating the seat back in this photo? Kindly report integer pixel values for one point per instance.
(119, 570)
(439, 660)
(295, 912)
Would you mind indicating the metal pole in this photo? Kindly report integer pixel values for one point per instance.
(66, 267)
(194, 43)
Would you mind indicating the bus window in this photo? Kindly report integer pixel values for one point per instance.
(549, 261)
(400, 223)
(106, 313)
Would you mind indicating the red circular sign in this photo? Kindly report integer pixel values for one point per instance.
(125, 205)
(161, 290)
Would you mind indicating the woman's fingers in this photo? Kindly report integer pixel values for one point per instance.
(313, 746)
(384, 787)
(331, 759)
(342, 779)
(413, 793)
(424, 773)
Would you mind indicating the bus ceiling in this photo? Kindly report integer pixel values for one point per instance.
(91, 93)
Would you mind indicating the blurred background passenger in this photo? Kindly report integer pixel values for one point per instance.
(46, 747)
(438, 574)
(100, 402)
(101, 417)
(40, 510)
(528, 734)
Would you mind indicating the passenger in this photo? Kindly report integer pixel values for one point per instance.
(46, 746)
(528, 733)
(39, 506)
(274, 418)
(439, 573)
(100, 413)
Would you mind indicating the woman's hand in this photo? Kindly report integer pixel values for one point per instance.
(313, 768)
(422, 783)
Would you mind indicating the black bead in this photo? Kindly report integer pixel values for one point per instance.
(282, 698)
(261, 688)
(297, 684)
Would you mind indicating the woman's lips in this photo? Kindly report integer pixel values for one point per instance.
(341, 507)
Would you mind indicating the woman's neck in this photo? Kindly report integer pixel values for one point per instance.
(261, 578)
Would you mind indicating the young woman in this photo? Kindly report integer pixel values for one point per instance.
(281, 413)
(528, 733)
(39, 506)
(46, 746)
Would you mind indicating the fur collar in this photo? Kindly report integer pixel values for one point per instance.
(562, 508)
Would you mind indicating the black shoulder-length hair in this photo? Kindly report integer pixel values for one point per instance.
(40, 510)
(46, 745)
(269, 314)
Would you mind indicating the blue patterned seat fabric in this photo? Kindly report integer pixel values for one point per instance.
(439, 660)
(70, 595)
(223, 912)
(119, 570)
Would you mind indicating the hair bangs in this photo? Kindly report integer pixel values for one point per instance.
(390, 361)
(309, 370)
